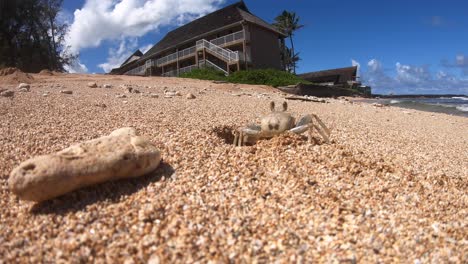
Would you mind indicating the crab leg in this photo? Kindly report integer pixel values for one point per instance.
(323, 134)
(307, 123)
(302, 125)
(236, 138)
(249, 134)
(241, 139)
(322, 124)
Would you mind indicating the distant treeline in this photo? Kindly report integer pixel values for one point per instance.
(31, 37)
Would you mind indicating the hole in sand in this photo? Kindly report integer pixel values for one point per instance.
(225, 133)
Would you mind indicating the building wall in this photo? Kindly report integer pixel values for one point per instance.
(264, 48)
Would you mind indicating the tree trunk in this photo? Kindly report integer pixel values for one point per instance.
(292, 53)
(54, 45)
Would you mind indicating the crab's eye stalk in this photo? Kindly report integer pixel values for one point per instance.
(285, 106)
(272, 106)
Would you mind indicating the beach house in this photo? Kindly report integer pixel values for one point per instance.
(229, 39)
(338, 78)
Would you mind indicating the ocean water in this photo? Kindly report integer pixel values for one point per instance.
(447, 105)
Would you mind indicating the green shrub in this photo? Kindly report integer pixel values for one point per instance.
(205, 74)
(270, 77)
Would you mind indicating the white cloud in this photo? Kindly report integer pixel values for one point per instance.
(145, 48)
(356, 63)
(76, 67)
(374, 66)
(407, 79)
(461, 60)
(375, 76)
(118, 55)
(65, 17)
(101, 20)
(461, 63)
(412, 75)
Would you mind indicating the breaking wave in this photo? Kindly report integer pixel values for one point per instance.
(448, 105)
(462, 108)
(461, 98)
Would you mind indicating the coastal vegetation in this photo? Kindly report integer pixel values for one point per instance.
(288, 23)
(270, 77)
(32, 35)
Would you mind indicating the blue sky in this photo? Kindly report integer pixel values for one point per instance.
(401, 46)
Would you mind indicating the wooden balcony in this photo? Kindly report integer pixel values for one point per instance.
(215, 44)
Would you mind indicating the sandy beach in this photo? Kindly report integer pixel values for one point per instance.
(390, 187)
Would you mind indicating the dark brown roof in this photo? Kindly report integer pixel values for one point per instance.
(127, 64)
(137, 53)
(226, 16)
(340, 75)
(249, 17)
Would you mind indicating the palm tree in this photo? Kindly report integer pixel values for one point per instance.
(290, 59)
(288, 22)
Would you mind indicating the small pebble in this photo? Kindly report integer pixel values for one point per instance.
(102, 105)
(7, 93)
(24, 87)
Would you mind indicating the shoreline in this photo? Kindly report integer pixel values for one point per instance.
(412, 103)
(397, 96)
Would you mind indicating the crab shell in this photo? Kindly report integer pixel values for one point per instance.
(276, 123)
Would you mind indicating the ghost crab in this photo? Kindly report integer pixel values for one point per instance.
(279, 122)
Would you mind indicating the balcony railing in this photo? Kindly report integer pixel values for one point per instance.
(173, 57)
(230, 56)
(224, 40)
(209, 64)
(137, 71)
(181, 70)
(188, 69)
(215, 46)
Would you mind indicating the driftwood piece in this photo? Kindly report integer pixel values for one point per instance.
(306, 98)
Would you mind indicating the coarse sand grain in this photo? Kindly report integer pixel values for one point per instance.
(390, 187)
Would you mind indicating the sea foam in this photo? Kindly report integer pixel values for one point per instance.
(461, 98)
(463, 108)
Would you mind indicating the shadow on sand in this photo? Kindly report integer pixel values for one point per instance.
(109, 191)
